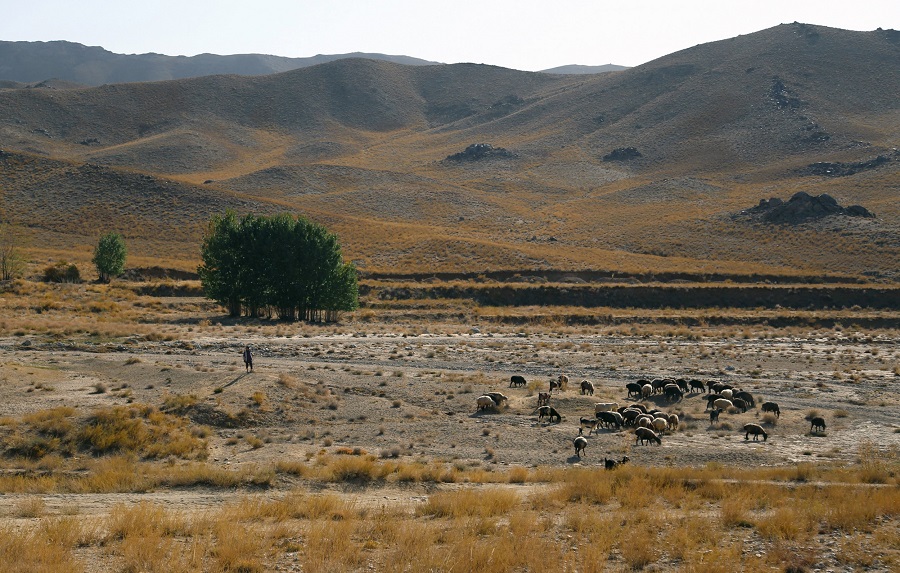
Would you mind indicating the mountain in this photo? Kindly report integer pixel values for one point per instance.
(579, 69)
(640, 170)
(31, 62)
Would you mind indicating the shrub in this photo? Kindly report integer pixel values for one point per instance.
(62, 273)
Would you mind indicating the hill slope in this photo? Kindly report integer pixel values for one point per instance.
(360, 145)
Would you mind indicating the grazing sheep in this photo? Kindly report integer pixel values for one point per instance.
(710, 398)
(723, 404)
(673, 422)
(485, 402)
(638, 406)
(646, 435)
(497, 397)
(682, 385)
(714, 415)
(646, 390)
(739, 404)
(587, 388)
(746, 397)
(543, 399)
(660, 424)
(659, 383)
(697, 385)
(634, 389)
(630, 415)
(580, 444)
(605, 407)
(727, 393)
(611, 419)
(771, 407)
(613, 464)
(550, 412)
(644, 421)
(817, 424)
(718, 387)
(756, 430)
(673, 393)
(516, 381)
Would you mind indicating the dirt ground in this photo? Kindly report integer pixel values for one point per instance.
(415, 395)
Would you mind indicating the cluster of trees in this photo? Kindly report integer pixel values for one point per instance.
(276, 265)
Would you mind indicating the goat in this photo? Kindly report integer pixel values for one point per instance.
(587, 388)
(612, 464)
(682, 385)
(543, 399)
(580, 445)
(516, 381)
(771, 407)
(587, 423)
(818, 424)
(710, 398)
(646, 435)
(673, 422)
(714, 415)
(756, 430)
(697, 385)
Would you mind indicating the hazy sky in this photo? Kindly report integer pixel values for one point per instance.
(520, 34)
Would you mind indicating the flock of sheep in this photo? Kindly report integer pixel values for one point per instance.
(649, 424)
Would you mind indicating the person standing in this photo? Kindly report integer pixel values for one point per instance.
(248, 359)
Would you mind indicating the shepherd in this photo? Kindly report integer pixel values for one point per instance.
(248, 359)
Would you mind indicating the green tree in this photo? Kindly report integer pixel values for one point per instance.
(282, 265)
(109, 256)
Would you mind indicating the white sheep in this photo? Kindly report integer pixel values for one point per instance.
(723, 404)
(646, 390)
(485, 402)
(605, 407)
(727, 393)
(660, 424)
(673, 422)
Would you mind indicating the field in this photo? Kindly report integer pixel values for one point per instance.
(135, 440)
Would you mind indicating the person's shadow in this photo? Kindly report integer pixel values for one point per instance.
(236, 380)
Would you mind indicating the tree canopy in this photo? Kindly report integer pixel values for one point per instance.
(109, 256)
(282, 264)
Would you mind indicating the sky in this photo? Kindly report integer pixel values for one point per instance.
(520, 34)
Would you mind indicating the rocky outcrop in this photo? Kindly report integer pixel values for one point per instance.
(837, 169)
(480, 151)
(622, 154)
(803, 207)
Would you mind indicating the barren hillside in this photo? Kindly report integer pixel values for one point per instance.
(634, 170)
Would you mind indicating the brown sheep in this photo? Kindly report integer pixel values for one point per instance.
(756, 430)
(646, 435)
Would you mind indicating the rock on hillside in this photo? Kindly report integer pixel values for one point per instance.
(803, 207)
(479, 151)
